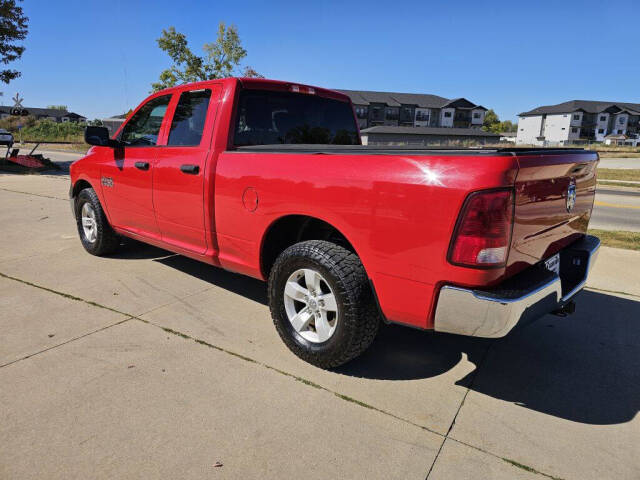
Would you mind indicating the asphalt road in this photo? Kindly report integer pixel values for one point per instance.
(613, 210)
(620, 163)
(616, 210)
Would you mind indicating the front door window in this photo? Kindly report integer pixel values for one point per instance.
(143, 128)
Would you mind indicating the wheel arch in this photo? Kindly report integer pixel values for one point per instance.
(288, 230)
(79, 185)
(83, 182)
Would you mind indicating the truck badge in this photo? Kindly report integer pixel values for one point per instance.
(106, 181)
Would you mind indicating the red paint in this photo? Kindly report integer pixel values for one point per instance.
(398, 211)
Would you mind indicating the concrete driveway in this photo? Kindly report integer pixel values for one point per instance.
(151, 365)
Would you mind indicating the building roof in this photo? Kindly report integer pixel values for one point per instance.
(441, 131)
(588, 106)
(508, 134)
(394, 99)
(43, 112)
(617, 136)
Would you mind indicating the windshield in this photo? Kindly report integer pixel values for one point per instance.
(271, 118)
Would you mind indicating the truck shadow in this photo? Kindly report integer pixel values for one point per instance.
(584, 368)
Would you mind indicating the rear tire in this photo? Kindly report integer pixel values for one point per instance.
(335, 320)
(96, 235)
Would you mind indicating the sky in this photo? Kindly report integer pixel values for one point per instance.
(100, 58)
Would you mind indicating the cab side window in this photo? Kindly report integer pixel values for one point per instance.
(188, 120)
(143, 128)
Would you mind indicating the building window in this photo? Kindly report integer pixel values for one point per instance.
(619, 132)
(621, 120)
(391, 113)
(574, 130)
(476, 115)
(603, 118)
(361, 112)
(576, 117)
(601, 130)
(422, 115)
(447, 114)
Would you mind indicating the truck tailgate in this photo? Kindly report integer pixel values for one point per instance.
(548, 216)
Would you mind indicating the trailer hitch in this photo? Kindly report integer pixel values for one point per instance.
(565, 310)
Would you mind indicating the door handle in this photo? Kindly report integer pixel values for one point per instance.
(142, 165)
(190, 169)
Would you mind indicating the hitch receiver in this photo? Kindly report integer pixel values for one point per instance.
(567, 309)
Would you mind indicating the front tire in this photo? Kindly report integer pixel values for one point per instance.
(321, 303)
(96, 235)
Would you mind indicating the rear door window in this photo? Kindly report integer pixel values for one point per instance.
(188, 120)
(143, 128)
(267, 117)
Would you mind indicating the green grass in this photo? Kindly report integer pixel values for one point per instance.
(619, 174)
(529, 469)
(618, 239)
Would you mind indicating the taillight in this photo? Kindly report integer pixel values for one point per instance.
(483, 232)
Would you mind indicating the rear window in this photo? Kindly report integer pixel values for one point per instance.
(271, 118)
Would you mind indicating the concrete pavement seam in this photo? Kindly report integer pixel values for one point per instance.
(52, 347)
(275, 369)
(612, 291)
(62, 294)
(358, 402)
(34, 194)
(464, 397)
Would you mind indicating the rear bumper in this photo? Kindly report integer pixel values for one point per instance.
(527, 296)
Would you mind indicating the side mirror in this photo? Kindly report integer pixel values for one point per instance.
(99, 136)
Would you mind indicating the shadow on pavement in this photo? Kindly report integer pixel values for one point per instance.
(246, 286)
(584, 368)
(62, 171)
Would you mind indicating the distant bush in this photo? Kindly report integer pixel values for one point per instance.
(11, 123)
(48, 131)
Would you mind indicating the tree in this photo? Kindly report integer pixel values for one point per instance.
(220, 59)
(13, 28)
(493, 124)
(251, 73)
(491, 121)
(59, 107)
(508, 126)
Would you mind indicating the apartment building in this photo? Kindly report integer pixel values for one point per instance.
(578, 120)
(414, 110)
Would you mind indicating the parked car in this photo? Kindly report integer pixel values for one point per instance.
(269, 179)
(6, 138)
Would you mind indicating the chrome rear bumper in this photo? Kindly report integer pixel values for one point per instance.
(528, 295)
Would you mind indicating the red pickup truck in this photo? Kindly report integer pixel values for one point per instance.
(269, 179)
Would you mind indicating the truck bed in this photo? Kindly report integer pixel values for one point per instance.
(403, 150)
